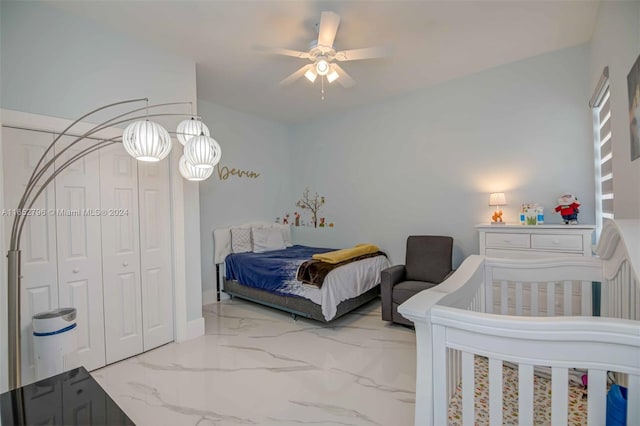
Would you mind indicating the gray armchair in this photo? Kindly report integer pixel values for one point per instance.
(427, 264)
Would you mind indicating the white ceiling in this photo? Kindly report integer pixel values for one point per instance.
(432, 42)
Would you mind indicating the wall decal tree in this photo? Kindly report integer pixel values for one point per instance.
(313, 204)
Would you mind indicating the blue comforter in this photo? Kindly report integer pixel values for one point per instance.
(273, 271)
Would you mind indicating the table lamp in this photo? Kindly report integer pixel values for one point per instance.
(497, 199)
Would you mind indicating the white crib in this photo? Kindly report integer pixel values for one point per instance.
(545, 319)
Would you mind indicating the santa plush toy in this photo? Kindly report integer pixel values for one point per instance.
(568, 207)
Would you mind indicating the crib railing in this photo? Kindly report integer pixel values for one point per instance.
(539, 301)
(541, 287)
(597, 345)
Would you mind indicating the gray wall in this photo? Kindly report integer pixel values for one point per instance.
(426, 162)
(248, 143)
(616, 43)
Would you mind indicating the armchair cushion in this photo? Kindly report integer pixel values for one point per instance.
(428, 258)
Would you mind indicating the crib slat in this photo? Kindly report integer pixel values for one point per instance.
(633, 409)
(551, 296)
(604, 298)
(518, 298)
(495, 392)
(534, 299)
(453, 373)
(525, 392)
(597, 397)
(567, 298)
(440, 397)
(504, 301)
(624, 289)
(468, 387)
(559, 396)
(585, 299)
(633, 299)
(488, 290)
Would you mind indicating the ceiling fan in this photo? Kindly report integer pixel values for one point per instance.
(322, 54)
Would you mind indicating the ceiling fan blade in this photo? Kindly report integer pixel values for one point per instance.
(296, 75)
(364, 53)
(329, 22)
(280, 51)
(343, 78)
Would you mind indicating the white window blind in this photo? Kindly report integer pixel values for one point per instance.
(603, 152)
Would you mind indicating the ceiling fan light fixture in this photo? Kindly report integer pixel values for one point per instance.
(332, 76)
(311, 75)
(322, 67)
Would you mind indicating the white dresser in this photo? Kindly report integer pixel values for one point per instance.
(522, 241)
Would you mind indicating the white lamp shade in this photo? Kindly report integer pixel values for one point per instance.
(146, 141)
(193, 173)
(332, 76)
(202, 152)
(190, 128)
(497, 199)
(310, 75)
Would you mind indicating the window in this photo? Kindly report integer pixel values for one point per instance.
(603, 152)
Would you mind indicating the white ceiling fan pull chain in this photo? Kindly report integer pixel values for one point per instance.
(322, 83)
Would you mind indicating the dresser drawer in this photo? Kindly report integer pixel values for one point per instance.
(556, 242)
(506, 240)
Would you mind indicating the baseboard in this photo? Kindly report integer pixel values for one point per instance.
(195, 328)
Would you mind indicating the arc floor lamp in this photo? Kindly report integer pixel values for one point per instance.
(143, 139)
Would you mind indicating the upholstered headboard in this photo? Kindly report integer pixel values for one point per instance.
(222, 238)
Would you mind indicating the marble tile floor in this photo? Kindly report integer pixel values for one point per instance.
(257, 366)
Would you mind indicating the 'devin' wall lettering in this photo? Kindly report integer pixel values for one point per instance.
(225, 172)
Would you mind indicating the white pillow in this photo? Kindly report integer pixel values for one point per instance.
(241, 240)
(286, 234)
(267, 239)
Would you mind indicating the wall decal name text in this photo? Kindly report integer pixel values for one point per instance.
(224, 173)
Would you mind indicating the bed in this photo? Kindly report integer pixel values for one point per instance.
(270, 278)
(515, 365)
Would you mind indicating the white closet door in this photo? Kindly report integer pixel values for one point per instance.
(155, 253)
(39, 289)
(121, 254)
(79, 252)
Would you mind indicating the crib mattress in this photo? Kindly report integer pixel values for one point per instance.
(541, 400)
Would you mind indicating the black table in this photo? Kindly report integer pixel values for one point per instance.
(70, 398)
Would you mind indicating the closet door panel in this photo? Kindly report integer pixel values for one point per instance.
(80, 252)
(121, 254)
(155, 253)
(39, 290)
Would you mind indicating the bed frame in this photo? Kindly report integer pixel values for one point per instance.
(536, 326)
(295, 305)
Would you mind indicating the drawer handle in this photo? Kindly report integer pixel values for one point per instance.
(76, 270)
(125, 264)
(555, 241)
